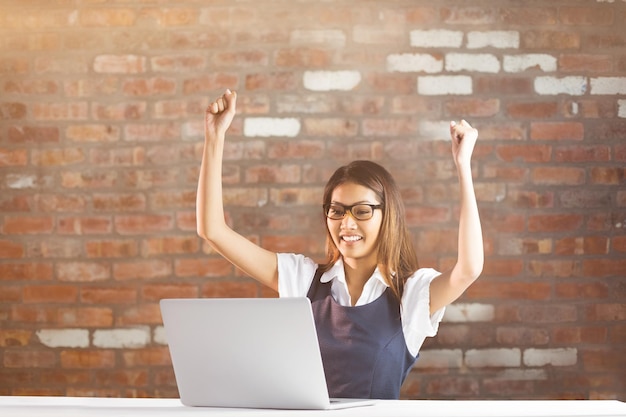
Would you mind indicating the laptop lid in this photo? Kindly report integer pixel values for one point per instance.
(247, 352)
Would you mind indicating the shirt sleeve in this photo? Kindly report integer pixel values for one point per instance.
(295, 274)
(417, 322)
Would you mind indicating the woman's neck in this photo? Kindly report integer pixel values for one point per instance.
(357, 273)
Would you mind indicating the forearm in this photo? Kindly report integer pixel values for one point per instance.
(470, 246)
(209, 202)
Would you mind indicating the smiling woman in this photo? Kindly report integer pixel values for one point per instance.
(373, 306)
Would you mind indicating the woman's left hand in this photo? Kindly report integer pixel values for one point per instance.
(464, 138)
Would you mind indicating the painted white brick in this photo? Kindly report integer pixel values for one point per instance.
(158, 335)
(436, 38)
(331, 80)
(270, 126)
(474, 312)
(608, 85)
(436, 85)
(520, 63)
(19, 181)
(573, 85)
(414, 63)
(472, 62)
(621, 108)
(121, 338)
(70, 338)
(555, 357)
(318, 37)
(441, 358)
(493, 357)
(437, 130)
(497, 38)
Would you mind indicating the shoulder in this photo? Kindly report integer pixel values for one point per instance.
(295, 274)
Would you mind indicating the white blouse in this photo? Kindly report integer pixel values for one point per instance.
(295, 275)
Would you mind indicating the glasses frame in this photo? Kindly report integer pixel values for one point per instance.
(348, 209)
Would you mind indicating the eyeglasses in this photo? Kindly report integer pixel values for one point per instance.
(361, 211)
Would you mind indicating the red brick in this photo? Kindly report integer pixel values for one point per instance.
(121, 378)
(111, 248)
(207, 267)
(549, 39)
(229, 289)
(57, 157)
(10, 249)
(155, 292)
(618, 244)
(60, 203)
(26, 271)
(140, 314)
(531, 199)
(608, 175)
(460, 108)
(33, 134)
(585, 291)
(85, 317)
(501, 85)
(14, 337)
(524, 153)
(259, 59)
(153, 356)
(84, 225)
(558, 175)
(32, 358)
(537, 15)
(77, 271)
(87, 359)
(516, 336)
(553, 268)
(170, 245)
(557, 131)
(502, 267)
(49, 294)
(277, 81)
(107, 17)
(577, 16)
(492, 290)
(532, 110)
(554, 222)
(13, 158)
(108, 295)
(142, 269)
(28, 225)
(65, 377)
(290, 58)
(588, 153)
(585, 63)
(603, 267)
(142, 224)
(572, 335)
(591, 245)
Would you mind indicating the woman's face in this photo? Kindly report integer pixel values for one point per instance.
(357, 240)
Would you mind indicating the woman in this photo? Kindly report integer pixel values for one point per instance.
(372, 305)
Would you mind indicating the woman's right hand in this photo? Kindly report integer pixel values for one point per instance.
(219, 115)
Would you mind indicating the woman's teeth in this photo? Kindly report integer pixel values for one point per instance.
(351, 238)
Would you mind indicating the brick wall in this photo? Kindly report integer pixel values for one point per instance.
(101, 107)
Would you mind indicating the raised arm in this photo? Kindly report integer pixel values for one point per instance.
(451, 284)
(255, 261)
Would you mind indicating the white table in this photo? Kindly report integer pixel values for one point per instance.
(122, 407)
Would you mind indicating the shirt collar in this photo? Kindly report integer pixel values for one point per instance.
(337, 272)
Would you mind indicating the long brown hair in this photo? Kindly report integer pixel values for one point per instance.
(396, 253)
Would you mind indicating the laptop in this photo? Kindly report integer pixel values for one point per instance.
(248, 352)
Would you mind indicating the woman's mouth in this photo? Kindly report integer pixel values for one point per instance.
(351, 238)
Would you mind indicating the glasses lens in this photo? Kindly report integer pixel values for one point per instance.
(362, 212)
(335, 212)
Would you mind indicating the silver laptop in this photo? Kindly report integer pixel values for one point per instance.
(247, 352)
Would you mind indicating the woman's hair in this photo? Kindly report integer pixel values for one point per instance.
(396, 256)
